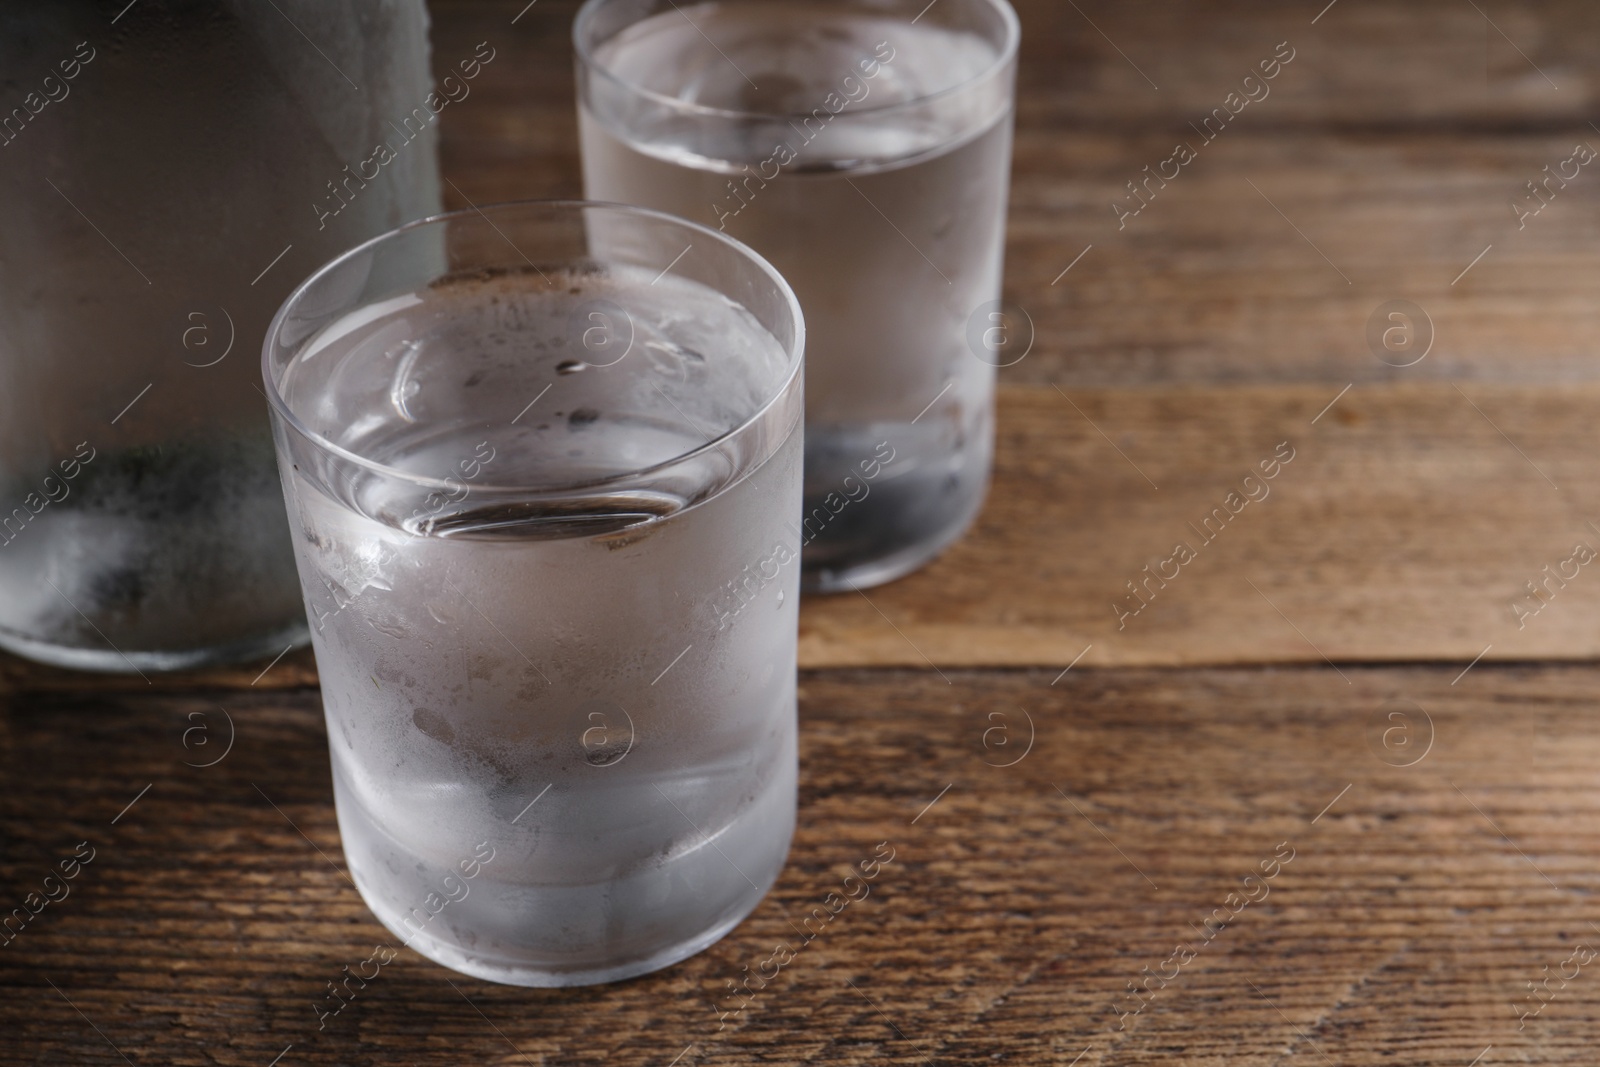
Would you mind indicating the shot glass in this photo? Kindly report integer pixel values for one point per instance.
(541, 461)
(864, 147)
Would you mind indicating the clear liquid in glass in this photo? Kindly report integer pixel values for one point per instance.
(889, 228)
(551, 675)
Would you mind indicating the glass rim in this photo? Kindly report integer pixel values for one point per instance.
(585, 54)
(280, 406)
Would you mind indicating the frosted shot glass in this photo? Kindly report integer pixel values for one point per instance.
(864, 147)
(542, 462)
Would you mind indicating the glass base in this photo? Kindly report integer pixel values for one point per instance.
(847, 576)
(127, 661)
(523, 973)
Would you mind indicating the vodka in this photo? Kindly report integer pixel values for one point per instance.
(558, 757)
(832, 138)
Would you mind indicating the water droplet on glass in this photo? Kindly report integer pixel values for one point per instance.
(571, 366)
(392, 627)
(434, 725)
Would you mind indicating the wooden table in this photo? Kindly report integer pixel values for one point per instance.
(1346, 723)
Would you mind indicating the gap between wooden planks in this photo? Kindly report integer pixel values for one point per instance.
(1404, 528)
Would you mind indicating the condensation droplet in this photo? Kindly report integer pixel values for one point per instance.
(392, 627)
(570, 366)
(434, 725)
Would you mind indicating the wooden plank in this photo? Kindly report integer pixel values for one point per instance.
(1356, 63)
(296, 668)
(1265, 259)
(1432, 64)
(1405, 528)
(1394, 144)
(1418, 903)
(1394, 153)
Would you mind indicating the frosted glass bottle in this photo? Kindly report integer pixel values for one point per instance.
(169, 171)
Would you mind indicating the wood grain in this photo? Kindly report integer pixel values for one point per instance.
(1393, 144)
(1442, 816)
(297, 668)
(1016, 909)
(1405, 528)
